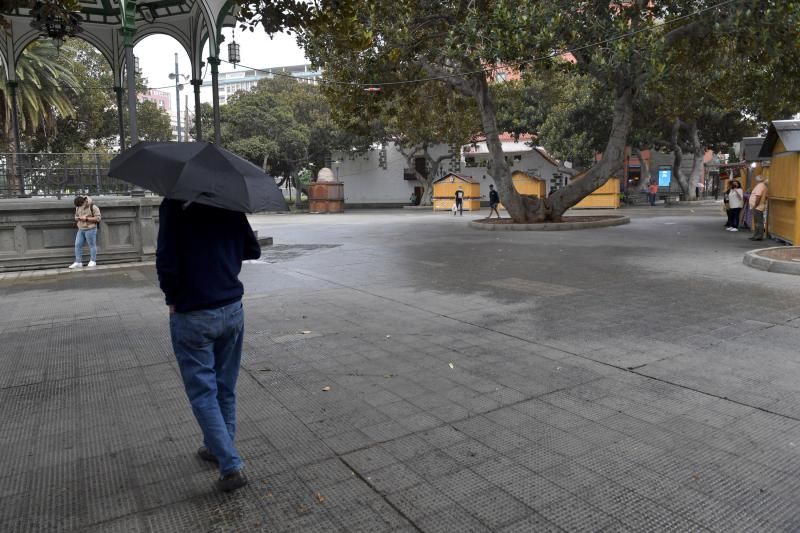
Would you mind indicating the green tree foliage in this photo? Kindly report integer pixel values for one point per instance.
(282, 125)
(153, 122)
(45, 85)
(93, 125)
(460, 44)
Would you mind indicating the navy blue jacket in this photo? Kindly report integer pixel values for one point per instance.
(199, 255)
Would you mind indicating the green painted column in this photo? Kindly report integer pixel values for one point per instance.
(214, 62)
(119, 91)
(128, 31)
(198, 124)
(15, 114)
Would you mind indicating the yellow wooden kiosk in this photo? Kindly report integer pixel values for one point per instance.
(528, 185)
(604, 197)
(444, 192)
(782, 145)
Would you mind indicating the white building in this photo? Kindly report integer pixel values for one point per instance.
(367, 182)
(246, 79)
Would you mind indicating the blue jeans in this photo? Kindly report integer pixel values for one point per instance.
(90, 237)
(208, 347)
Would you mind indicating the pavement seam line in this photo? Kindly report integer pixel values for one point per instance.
(383, 497)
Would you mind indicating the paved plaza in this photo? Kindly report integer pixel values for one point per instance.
(403, 372)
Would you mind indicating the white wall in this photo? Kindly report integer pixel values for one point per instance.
(365, 182)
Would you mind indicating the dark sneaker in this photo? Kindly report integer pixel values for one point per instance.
(206, 455)
(232, 481)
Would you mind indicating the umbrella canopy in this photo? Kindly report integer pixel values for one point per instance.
(199, 172)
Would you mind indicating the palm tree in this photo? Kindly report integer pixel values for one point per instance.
(44, 86)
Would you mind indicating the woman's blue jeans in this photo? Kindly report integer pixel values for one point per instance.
(208, 347)
(88, 236)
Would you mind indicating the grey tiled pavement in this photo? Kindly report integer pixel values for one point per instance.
(636, 378)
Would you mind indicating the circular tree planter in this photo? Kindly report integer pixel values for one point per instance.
(781, 259)
(567, 223)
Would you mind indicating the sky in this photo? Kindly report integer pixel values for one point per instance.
(157, 55)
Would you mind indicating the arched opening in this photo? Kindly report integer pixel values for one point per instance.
(65, 110)
(165, 70)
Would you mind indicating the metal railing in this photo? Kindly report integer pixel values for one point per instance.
(58, 175)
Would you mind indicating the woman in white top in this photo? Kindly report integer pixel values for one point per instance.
(735, 203)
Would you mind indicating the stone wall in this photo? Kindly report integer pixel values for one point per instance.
(40, 233)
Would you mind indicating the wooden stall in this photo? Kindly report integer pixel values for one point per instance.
(605, 197)
(782, 144)
(529, 185)
(444, 192)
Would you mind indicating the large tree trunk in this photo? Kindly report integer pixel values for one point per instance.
(644, 170)
(521, 208)
(426, 183)
(527, 209)
(435, 164)
(687, 182)
(697, 165)
(609, 165)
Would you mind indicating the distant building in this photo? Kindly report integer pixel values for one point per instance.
(379, 176)
(161, 99)
(246, 79)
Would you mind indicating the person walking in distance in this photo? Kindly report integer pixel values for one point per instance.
(758, 203)
(459, 202)
(652, 193)
(735, 203)
(198, 259)
(494, 201)
(87, 216)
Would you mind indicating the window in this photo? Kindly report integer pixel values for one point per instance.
(469, 162)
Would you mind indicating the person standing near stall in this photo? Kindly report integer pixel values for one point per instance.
(652, 193)
(735, 196)
(758, 204)
(459, 202)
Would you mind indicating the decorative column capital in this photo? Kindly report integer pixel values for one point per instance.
(127, 10)
(214, 62)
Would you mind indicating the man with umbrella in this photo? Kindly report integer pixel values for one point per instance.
(203, 238)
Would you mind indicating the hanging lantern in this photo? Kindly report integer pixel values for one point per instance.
(136, 68)
(54, 21)
(233, 53)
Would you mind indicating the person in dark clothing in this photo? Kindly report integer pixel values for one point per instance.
(459, 202)
(494, 201)
(198, 259)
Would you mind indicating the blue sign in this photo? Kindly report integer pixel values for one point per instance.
(664, 177)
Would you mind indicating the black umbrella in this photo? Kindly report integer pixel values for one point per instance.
(199, 172)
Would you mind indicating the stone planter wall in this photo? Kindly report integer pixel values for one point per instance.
(40, 233)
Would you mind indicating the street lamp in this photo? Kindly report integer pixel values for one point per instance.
(233, 53)
(178, 87)
(54, 20)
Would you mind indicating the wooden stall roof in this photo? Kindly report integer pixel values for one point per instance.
(751, 148)
(787, 131)
(446, 177)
